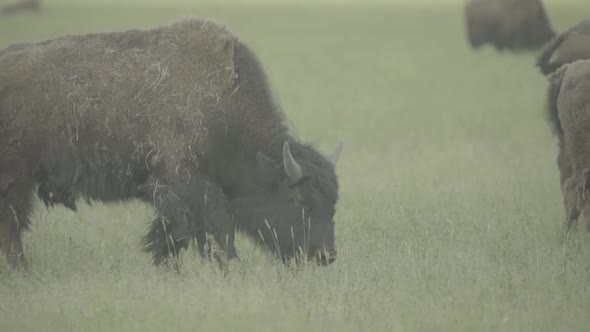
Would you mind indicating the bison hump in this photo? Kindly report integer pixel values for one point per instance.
(153, 87)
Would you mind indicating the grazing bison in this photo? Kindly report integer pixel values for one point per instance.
(569, 113)
(21, 6)
(181, 117)
(507, 24)
(571, 45)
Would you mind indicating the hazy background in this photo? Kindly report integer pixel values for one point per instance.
(450, 205)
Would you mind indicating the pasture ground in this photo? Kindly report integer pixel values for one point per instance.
(450, 206)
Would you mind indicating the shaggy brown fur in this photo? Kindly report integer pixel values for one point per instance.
(569, 46)
(569, 109)
(200, 210)
(96, 114)
(507, 24)
(183, 109)
(21, 6)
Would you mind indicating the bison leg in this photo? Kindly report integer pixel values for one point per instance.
(220, 224)
(218, 240)
(161, 243)
(570, 197)
(227, 250)
(585, 218)
(217, 221)
(568, 187)
(11, 245)
(189, 210)
(564, 164)
(202, 244)
(14, 218)
(230, 247)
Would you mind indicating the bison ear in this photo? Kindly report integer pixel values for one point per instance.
(333, 158)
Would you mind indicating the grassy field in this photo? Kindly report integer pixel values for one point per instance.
(450, 205)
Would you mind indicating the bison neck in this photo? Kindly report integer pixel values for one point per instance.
(233, 166)
(246, 121)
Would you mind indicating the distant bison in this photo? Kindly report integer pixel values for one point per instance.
(181, 117)
(507, 24)
(21, 6)
(569, 46)
(569, 113)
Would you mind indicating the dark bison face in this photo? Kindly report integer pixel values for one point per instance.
(292, 213)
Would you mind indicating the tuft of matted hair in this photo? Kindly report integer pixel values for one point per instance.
(147, 86)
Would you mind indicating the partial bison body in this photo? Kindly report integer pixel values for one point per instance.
(507, 24)
(181, 117)
(21, 6)
(569, 46)
(261, 215)
(569, 112)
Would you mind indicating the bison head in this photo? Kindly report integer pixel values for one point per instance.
(292, 212)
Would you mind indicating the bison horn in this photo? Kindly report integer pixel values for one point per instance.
(333, 158)
(292, 168)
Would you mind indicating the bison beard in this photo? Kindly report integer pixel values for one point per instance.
(181, 117)
(197, 210)
(507, 24)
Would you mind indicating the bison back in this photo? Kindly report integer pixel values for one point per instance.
(150, 87)
(573, 105)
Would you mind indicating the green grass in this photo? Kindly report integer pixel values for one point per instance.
(450, 206)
